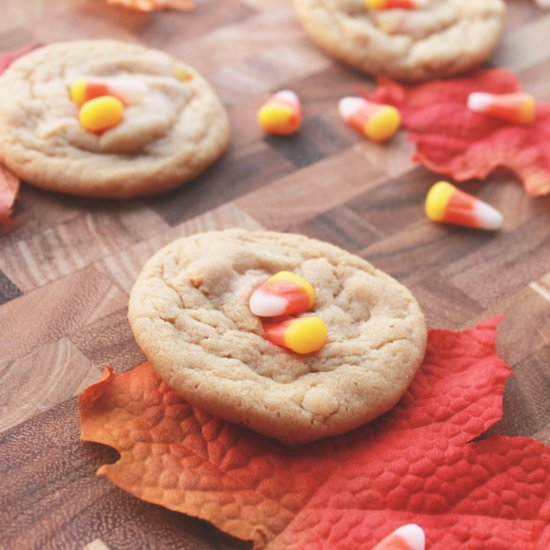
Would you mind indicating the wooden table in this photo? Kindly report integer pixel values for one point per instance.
(67, 264)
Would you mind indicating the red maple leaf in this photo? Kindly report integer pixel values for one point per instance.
(415, 464)
(9, 187)
(450, 139)
(7, 58)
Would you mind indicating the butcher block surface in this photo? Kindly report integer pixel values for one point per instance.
(67, 264)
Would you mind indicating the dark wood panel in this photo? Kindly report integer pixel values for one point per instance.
(8, 291)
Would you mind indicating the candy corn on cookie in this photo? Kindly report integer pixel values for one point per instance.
(292, 337)
(409, 40)
(103, 118)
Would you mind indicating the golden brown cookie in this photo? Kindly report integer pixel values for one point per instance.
(189, 312)
(443, 38)
(173, 132)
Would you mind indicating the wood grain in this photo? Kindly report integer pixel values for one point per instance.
(28, 391)
(67, 264)
(56, 501)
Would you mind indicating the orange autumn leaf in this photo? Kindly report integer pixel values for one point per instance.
(416, 464)
(450, 139)
(153, 5)
(9, 187)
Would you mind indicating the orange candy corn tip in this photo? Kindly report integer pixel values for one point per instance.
(372, 120)
(395, 4)
(302, 335)
(446, 203)
(283, 294)
(127, 90)
(281, 114)
(517, 108)
(408, 537)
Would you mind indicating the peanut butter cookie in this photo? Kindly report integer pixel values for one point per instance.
(189, 312)
(441, 38)
(169, 133)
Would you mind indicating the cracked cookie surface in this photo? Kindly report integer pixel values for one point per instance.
(176, 131)
(189, 313)
(442, 39)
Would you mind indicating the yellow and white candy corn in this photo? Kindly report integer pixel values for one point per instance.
(128, 90)
(446, 203)
(101, 113)
(408, 537)
(281, 114)
(395, 4)
(372, 120)
(517, 108)
(283, 294)
(301, 335)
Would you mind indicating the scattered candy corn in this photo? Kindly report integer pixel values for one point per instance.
(101, 113)
(408, 537)
(302, 335)
(446, 203)
(127, 90)
(394, 4)
(372, 120)
(517, 108)
(283, 294)
(281, 114)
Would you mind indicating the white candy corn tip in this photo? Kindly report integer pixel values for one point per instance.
(287, 95)
(489, 218)
(131, 90)
(266, 305)
(347, 106)
(413, 535)
(479, 101)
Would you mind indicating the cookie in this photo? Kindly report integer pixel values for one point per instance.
(444, 38)
(176, 129)
(189, 312)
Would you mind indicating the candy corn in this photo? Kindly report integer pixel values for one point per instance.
(446, 203)
(517, 108)
(302, 335)
(81, 91)
(283, 294)
(408, 537)
(394, 4)
(372, 120)
(127, 90)
(101, 113)
(281, 114)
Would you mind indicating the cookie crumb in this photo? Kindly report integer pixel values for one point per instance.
(319, 401)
